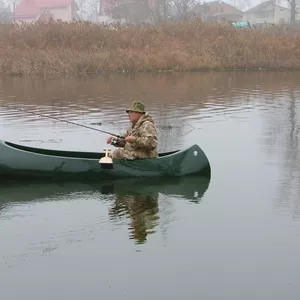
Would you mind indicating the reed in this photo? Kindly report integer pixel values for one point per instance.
(84, 47)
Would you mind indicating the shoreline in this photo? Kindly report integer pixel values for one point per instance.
(137, 72)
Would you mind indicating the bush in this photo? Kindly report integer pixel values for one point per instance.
(84, 47)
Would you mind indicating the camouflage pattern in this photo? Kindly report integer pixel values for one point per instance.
(136, 106)
(145, 145)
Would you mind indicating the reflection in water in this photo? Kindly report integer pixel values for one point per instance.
(284, 131)
(74, 226)
(137, 200)
(290, 186)
(179, 103)
(134, 199)
(175, 100)
(142, 211)
(292, 182)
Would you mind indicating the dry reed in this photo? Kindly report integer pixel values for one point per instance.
(83, 47)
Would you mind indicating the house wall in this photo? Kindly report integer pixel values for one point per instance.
(62, 13)
(253, 18)
(25, 20)
(269, 14)
(217, 11)
(264, 15)
(224, 8)
(282, 15)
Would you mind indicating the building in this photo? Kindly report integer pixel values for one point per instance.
(134, 11)
(217, 11)
(268, 12)
(45, 10)
(6, 15)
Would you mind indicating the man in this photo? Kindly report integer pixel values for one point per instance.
(140, 140)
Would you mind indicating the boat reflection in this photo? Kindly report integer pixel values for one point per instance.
(136, 200)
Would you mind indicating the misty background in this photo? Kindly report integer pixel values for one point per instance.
(90, 9)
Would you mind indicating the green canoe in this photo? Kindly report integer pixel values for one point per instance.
(19, 161)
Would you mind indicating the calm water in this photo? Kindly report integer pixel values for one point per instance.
(235, 236)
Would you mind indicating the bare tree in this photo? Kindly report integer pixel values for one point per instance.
(183, 7)
(294, 6)
(163, 9)
(158, 9)
(6, 15)
(241, 4)
(88, 9)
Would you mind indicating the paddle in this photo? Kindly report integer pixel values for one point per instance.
(69, 122)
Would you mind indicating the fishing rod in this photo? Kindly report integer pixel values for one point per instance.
(69, 122)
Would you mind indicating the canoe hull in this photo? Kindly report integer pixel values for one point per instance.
(27, 162)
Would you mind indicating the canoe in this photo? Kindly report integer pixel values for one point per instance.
(24, 162)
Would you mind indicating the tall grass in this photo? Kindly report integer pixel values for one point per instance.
(76, 48)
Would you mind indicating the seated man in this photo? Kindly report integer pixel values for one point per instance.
(140, 140)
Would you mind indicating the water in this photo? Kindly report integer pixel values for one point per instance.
(235, 236)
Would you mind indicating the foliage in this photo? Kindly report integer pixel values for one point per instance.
(84, 47)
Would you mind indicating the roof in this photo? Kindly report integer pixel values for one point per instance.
(53, 3)
(263, 5)
(31, 8)
(211, 3)
(217, 2)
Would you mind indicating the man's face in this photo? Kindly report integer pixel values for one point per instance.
(134, 116)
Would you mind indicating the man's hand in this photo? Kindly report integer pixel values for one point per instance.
(130, 139)
(108, 141)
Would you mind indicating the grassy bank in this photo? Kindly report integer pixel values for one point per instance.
(77, 48)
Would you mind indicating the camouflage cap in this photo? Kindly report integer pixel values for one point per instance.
(136, 106)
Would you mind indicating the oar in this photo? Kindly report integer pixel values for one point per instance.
(69, 122)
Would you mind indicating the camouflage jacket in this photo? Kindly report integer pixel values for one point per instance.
(145, 132)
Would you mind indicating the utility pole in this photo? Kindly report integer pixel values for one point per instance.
(14, 11)
(293, 12)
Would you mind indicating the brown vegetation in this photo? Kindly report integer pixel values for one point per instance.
(77, 48)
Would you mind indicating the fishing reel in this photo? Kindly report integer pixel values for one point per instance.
(114, 141)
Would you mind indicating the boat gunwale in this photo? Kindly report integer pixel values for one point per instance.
(70, 154)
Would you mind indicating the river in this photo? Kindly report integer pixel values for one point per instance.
(233, 236)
